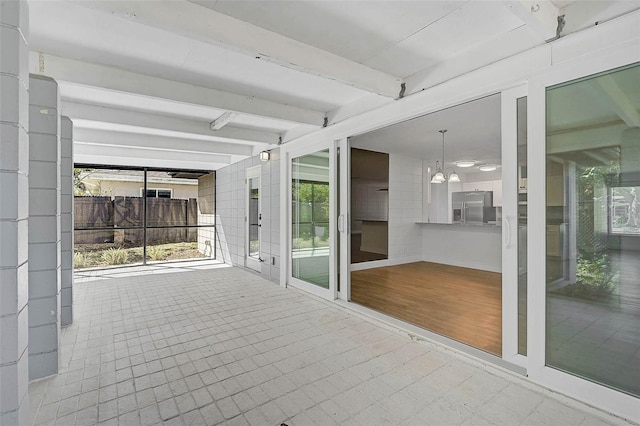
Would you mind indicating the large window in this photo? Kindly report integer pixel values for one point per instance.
(624, 210)
(593, 229)
(115, 224)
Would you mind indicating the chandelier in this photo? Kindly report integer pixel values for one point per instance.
(440, 175)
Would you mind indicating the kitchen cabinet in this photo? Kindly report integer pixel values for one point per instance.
(497, 193)
(477, 186)
(492, 185)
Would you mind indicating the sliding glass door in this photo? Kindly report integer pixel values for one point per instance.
(312, 228)
(584, 248)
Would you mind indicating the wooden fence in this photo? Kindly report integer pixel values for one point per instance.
(118, 212)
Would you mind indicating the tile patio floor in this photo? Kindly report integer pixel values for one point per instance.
(224, 345)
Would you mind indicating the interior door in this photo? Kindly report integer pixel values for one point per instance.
(253, 219)
(312, 236)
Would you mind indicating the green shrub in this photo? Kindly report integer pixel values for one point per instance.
(115, 256)
(80, 260)
(156, 253)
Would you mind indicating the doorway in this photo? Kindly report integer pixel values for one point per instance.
(253, 219)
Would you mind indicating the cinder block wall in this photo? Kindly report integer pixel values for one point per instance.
(44, 227)
(66, 220)
(230, 212)
(14, 213)
(206, 216)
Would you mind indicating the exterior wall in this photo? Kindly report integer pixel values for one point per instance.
(206, 213)
(230, 211)
(44, 227)
(132, 189)
(14, 212)
(66, 221)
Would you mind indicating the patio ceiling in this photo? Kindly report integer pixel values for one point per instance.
(207, 83)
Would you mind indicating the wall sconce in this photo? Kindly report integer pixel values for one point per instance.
(265, 155)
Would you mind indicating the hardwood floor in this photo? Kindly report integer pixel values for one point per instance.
(460, 303)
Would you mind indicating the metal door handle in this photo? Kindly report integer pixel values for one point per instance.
(341, 223)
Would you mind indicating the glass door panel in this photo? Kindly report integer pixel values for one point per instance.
(593, 229)
(310, 230)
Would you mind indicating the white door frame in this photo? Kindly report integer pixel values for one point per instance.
(509, 125)
(288, 155)
(592, 393)
(250, 261)
(344, 220)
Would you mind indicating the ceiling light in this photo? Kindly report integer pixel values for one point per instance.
(465, 163)
(488, 167)
(440, 175)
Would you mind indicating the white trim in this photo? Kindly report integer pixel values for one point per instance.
(344, 262)
(509, 123)
(591, 393)
(386, 262)
(290, 153)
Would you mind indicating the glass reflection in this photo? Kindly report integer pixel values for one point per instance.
(593, 229)
(310, 218)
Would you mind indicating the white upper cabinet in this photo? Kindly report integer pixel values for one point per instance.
(477, 186)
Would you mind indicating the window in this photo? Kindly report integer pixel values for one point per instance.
(624, 210)
(157, 193)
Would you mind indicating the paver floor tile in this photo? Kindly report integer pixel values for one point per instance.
(224, 346)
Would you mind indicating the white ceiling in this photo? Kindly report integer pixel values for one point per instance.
(473, 133)
(135, 70)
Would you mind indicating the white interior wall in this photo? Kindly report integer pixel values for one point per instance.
(405, 209)
(230, 212)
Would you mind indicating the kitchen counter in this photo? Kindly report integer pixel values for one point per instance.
(469, 225)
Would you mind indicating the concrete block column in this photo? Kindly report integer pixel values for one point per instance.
(14, 212)
(44, 227)
(66, 220)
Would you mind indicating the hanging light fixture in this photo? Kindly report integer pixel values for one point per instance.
(440, 175)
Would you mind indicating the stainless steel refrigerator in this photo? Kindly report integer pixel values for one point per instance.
(474, 207)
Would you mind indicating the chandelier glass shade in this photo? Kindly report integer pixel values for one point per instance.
(440, 175)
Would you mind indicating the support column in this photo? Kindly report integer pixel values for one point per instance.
(44, 227)
(66, 221)
(14, 213)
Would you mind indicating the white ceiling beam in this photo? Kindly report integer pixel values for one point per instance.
(114, 155)
(608, 92)
(117, 80)
(541, 16)
(201, 23)
(102, 114)
(166, 143)
(221, 121)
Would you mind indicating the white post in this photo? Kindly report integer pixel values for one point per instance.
(44, 227)
(14, 213)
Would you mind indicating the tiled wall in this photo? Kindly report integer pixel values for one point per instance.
(206, 213)
(230, 212)
(66, 221)
(45, 237)
(14, 212)
(405, 209)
